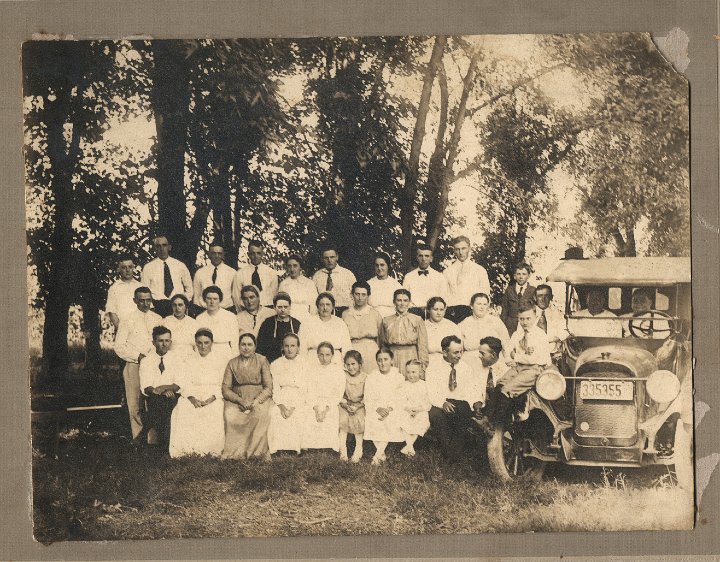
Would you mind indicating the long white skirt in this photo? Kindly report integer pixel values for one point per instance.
(387, 429)
(321, 435)
(285, 434)
(199, 431)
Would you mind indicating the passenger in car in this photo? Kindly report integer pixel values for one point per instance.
(596, 308)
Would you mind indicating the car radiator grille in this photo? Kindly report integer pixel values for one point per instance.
(605, 419)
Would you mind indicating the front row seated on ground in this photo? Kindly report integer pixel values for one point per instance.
(252, 408)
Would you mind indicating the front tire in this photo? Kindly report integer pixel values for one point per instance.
(507, 458)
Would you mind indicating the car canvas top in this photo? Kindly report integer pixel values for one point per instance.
(633, 271)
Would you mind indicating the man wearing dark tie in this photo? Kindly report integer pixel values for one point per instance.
(550, 319)
(518, 292)
(261, 276)
(455, 393)
(159, 373)
(166, 276)
(217, 273)
(334, 279)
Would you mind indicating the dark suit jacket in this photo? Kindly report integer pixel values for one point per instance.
(511, 303)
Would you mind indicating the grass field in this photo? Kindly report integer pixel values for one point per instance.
(101, 488)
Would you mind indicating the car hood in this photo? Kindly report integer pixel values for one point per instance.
(639, 361)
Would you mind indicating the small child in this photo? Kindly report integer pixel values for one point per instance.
(414, 404)
(352, 408)
(381, 394)
(326, 385)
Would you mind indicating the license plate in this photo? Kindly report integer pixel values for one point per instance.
(606, 390)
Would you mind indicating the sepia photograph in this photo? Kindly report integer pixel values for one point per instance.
(378, 285)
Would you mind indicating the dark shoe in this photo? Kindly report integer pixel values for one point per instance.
(482, 426)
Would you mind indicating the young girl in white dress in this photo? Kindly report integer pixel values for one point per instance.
(352, 407)
(290, 376)
(382, 418)
(414, 404)
(326, 385)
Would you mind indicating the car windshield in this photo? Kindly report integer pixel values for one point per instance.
(622, 311)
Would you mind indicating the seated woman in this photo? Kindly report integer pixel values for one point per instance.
(182, 326)
(325, 327)
(382, 411)
(247, 388)
(290, 380)
(480, 324)
(437, 326)
(222, 323)
(197, 424)
(326, 386)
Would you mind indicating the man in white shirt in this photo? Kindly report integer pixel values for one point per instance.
(132, 343)
(464, 278)
(252, 315)
(261, 276)
(595, 312)
(121, 294)
(528, 354)
(166, 277)
(334, 279)
(424, 282)
(455, 394)
(159, 373)
(217, 274)
(550, 320)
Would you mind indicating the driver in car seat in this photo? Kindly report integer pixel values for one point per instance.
(645, 323)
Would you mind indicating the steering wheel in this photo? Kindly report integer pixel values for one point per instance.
(641, 326)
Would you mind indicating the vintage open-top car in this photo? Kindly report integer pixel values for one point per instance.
(620, 391)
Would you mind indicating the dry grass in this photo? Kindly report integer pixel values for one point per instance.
(100, 488)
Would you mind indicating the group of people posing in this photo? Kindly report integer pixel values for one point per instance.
(244, 364)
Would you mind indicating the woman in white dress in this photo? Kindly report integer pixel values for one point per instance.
(197, 425)
(326, 386)
(290, 379)
(222, 323)
(478, 326)
(382, 410)
(437, 326)
(325, 327)
(302, 290)
(383, 286)
(183, 327)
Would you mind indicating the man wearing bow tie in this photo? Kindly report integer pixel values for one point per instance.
(217, 274)
(455, 393)
(159, 372)
(424, 282)
(166, 277)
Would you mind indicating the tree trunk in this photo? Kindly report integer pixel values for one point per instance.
(170, 98)
(63, 159)
(441, 191)
(409, 193)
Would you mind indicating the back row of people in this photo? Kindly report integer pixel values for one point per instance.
(166, 276)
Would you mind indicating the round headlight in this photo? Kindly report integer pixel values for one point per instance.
(550, 385)
(663, 386)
